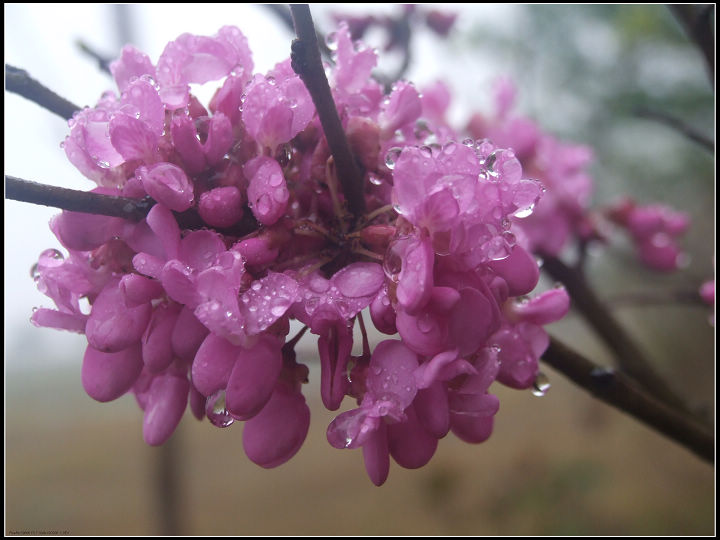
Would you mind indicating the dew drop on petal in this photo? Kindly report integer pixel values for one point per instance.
(331, 40)
(392, 156)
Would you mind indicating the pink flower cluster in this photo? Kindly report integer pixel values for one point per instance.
(654, 230)
(200, 314)
(561, 168)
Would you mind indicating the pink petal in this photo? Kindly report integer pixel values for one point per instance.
(167, 184)
(253, 378)
(156, 349)
(112, 325)
(167, 400)
(107, 376)
(376, 455)
(278, 431)
(213, 363)
(411, 446)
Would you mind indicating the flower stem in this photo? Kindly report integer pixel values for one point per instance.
(623, 393)
(306, 62)
(19, 82)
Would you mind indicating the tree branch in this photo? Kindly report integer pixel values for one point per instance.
(697, 22)
(19, 82)
(88, 202)
(623, 393)
(73, 200)
(306, 62)
(677, 124)
(629, 356)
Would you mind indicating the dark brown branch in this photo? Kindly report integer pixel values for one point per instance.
(699, 24)
(87, 202)
(623, 393)
(678, 125)
(19, 82)
(629, 356)
(306, 62)
(73, 200)
(283, 13)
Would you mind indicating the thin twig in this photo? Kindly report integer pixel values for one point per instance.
(677, 124)
(623, 393)
(19, 82)
(629, 356)
(103, 62)
(306, 62)
(637, 299)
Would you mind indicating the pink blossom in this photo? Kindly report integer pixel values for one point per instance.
(190, 307)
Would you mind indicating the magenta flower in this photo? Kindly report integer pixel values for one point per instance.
(192, 306)
(654, 230)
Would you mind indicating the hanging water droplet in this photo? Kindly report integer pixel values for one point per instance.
(391, 157)
(468, 142)
(392, 264)
(374, 179)
(215, 410)
(426, 151)
(35, 272)
(541, 385)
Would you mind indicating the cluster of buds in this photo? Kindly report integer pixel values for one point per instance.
(191, 307)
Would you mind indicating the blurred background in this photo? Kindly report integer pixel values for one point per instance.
(558, 464)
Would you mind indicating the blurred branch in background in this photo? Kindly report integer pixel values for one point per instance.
(682, 127)
(103, 62)
(628, 354)
(621, 392)
(698, 21)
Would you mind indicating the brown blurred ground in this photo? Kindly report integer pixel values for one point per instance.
(560, 464)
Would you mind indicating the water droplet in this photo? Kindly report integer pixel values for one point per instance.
(468, 142)
(541, 385)
(256, 286)
(422, 129)
(331, 40)
(392, 264)
(392, 156)
(450, 148)
(264, 204)
(35, 272)
(490, 161)
(374, 179)
(426, 151)
(215, 410)
(524, 212)
(425, 323)
(52, 253)
(271, 80)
